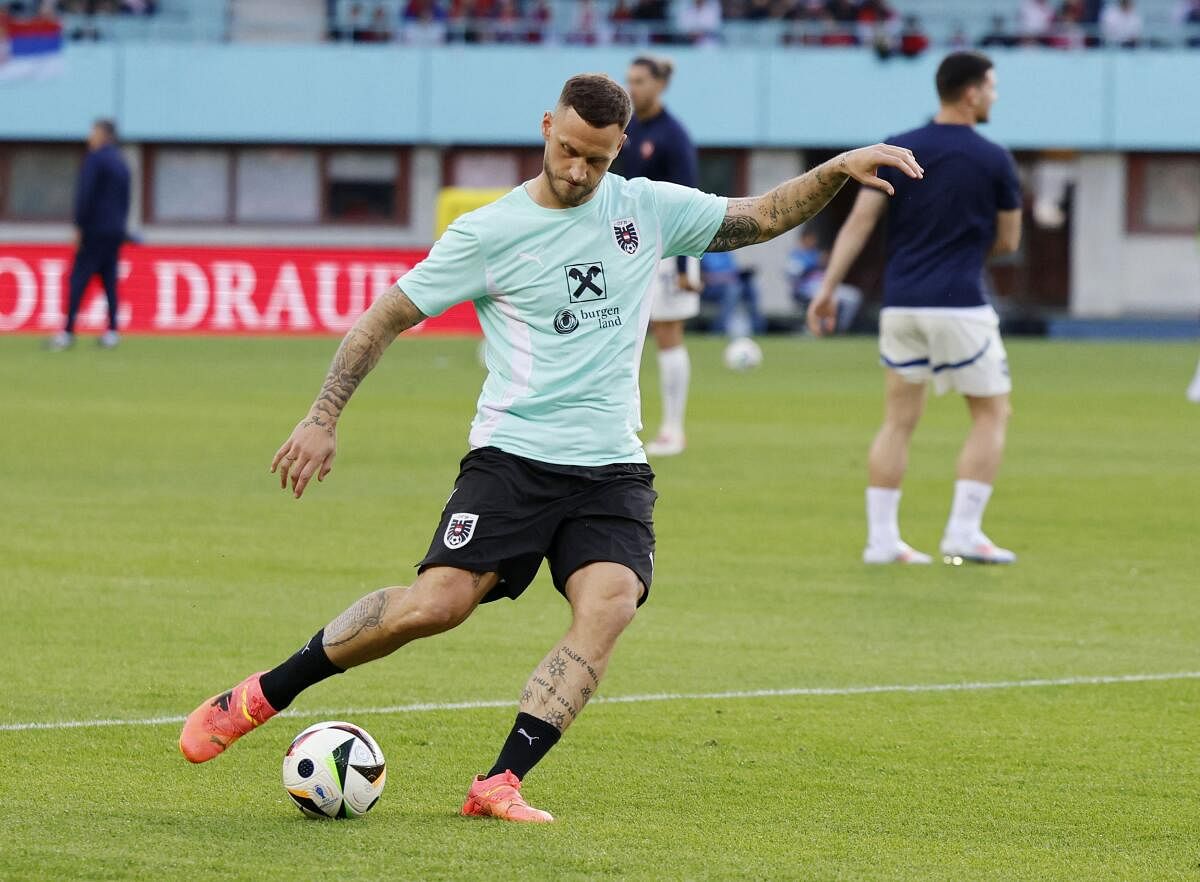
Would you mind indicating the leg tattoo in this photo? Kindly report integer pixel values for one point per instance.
(559, 687)
(365, 615)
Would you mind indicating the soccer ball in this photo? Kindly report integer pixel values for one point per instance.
(334, 770)
(743, 354)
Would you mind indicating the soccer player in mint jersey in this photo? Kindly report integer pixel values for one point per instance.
(558, 271)
(936, 324)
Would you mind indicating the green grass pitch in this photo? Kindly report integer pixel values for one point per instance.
(149, 560)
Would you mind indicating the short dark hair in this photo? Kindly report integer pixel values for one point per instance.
(659, 68)
(959, 70)
(599, 99)
(108, 127)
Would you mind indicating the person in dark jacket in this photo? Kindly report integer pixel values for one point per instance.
(101, 209)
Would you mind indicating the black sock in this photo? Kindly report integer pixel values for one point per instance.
(529, 741)
(310, 665)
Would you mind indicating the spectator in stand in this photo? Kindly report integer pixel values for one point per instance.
(699, 22)
(843, 11)
(424, 23)
(587, 25)
(998, 34)
(1121, 24)
(620, 19)
(652, 11)
(1037, 19)
(538, 16)
(913, 39)
(1069, 32)
(379, 30)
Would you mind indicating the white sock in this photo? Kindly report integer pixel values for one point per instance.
(966, 515)
(883, 517)
(674, 373)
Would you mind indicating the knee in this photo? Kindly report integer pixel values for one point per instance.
(427, 610)
(613, 605)
(903, 424)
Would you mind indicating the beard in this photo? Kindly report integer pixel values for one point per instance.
(562, 190)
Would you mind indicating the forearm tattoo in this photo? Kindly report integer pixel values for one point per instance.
(366, 614)
(360, 351)
(750, 221)
(560, 687)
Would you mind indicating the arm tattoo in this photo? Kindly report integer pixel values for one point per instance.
(364, 615)
(739, 228)
(360, 351)
(749, 221)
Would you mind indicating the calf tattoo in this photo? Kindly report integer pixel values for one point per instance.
(366, 614)
(559, 687)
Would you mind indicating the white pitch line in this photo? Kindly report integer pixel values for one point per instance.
(818, 691)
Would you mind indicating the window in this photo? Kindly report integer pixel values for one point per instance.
(191, 184)
(723, 172)
(1163, 193)
(275, 185)
(37, 181)
(362, 185)
(478, 167)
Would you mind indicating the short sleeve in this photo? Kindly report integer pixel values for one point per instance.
(1008, 185)
(452, 273)
(688, 218)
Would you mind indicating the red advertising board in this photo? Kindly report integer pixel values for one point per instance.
(213, 290)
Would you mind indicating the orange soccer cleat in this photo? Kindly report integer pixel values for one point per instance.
(223, 719)
(500, 797)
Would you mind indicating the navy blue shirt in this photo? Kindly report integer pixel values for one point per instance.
(660, 149)
(941, 229)
(102, 196)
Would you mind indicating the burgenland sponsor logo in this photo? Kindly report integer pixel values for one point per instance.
(586, 285)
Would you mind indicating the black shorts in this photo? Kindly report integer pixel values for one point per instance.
(507, 513)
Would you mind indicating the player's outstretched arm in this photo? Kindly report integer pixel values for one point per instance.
(760, 218)
(313, 443)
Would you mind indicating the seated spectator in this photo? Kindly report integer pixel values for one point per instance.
(1037, 18)
(699, 22)
(806, 270)
(537, 21)
(913, 39)
(1069, 32)
(843, 11)
(652, 16)
(620, 21)
(734, 290)
(424, 23)
(377, 30)
(587, 29)
(1121, 24)
(998, 34)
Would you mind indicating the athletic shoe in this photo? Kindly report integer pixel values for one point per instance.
(108, 340)
(667, 444)
(60, 341)
(900, 553)
(223, 719)
(500, 797)
(975, 549)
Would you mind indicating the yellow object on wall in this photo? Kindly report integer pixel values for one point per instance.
(453, 202)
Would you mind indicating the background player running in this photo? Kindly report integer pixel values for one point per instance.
(936, 324)
(559, 271)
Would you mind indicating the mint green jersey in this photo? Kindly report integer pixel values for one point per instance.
(562, 298)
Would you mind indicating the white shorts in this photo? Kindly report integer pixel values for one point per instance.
(957, 349)
(670, 303)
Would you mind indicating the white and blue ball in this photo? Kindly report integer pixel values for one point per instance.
(743, 354)
(334, 770)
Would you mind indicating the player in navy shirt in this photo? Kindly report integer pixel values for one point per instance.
(659, 148)
(936, 324)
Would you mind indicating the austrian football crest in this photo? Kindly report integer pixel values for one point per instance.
(460, 529)
(627, 235)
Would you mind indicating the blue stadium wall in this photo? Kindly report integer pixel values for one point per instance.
(1097, 100)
